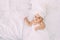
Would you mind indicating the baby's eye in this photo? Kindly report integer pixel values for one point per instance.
(39, 17)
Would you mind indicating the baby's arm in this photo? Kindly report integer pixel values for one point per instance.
(27, 21)
(42, 25)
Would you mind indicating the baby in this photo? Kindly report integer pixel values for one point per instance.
(36, 20)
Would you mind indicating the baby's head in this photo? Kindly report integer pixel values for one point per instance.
(38, 18)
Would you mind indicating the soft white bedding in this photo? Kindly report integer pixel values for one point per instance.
(12, 13)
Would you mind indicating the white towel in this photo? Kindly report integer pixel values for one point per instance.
(39, 6)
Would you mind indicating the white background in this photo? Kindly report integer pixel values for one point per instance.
(12, 13)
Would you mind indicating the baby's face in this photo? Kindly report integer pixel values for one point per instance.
(37, 18)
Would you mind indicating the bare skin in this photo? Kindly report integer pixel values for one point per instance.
(37, 19)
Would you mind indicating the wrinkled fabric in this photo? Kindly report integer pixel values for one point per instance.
(12, 13)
